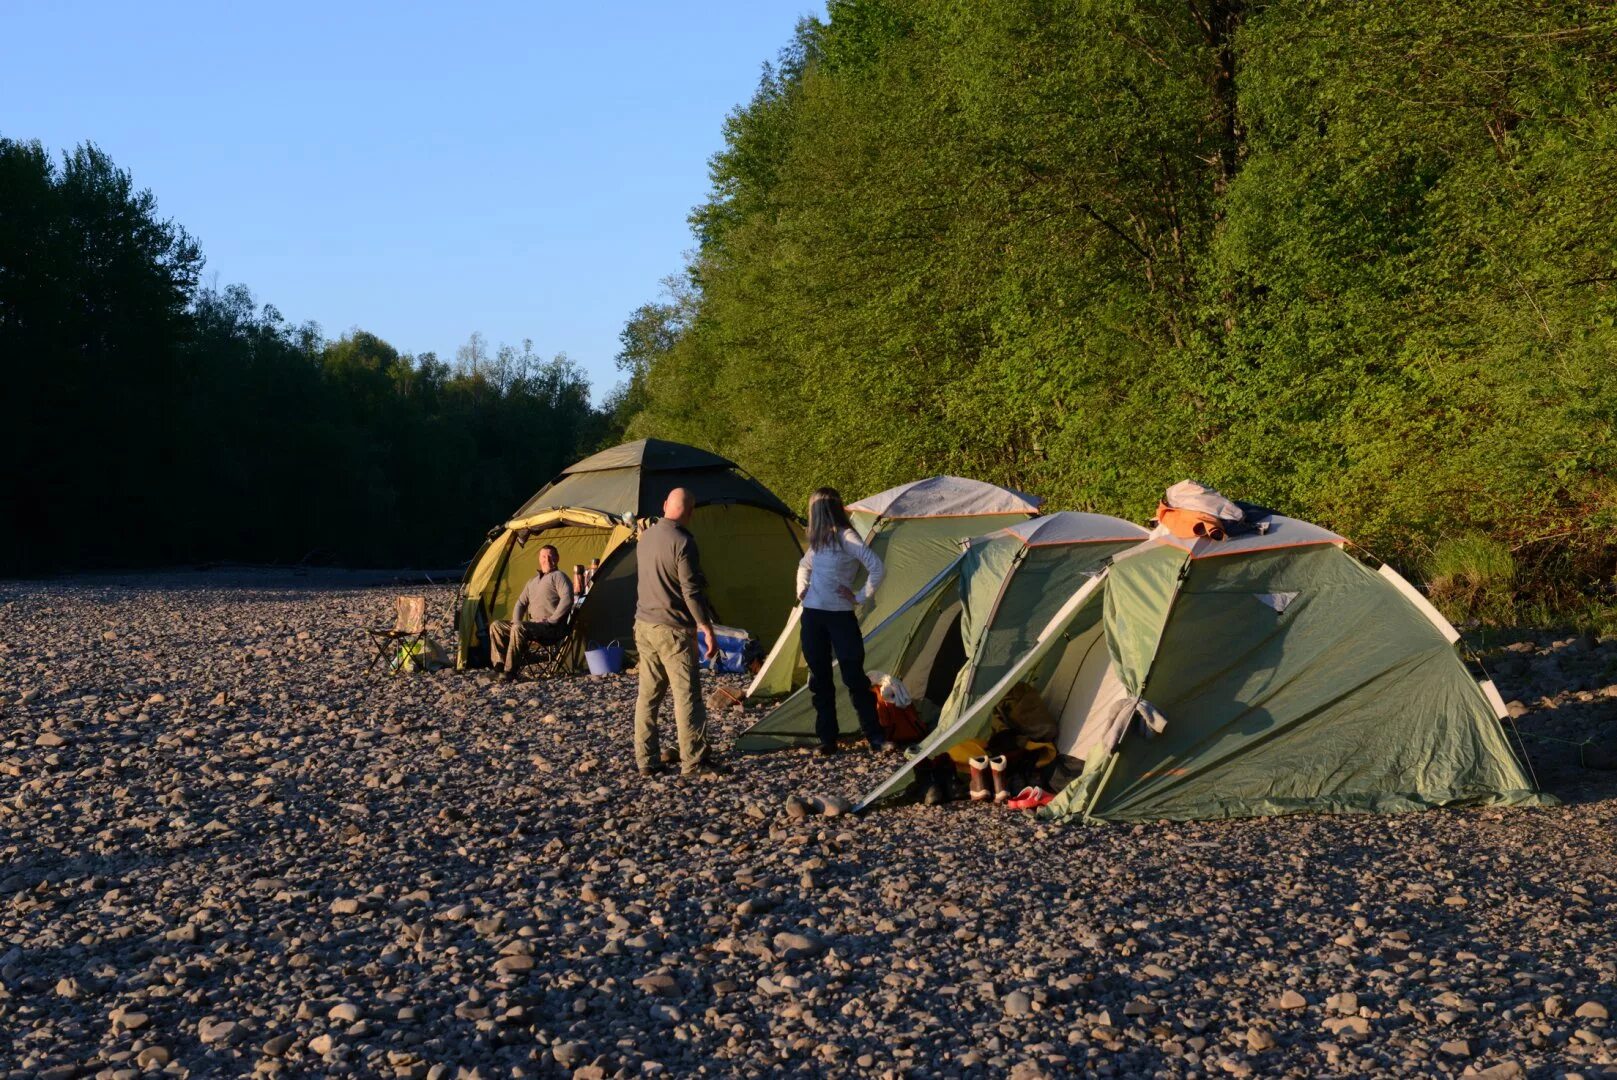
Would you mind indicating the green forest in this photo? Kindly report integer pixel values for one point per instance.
(147, 420)
(1354, 261)
(1357, 262)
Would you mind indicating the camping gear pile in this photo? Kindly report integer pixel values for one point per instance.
(406, 645)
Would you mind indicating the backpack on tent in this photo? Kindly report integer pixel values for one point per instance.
(1193, 511)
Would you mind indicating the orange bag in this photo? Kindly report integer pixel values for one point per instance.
(900, 725)
(1189, 524)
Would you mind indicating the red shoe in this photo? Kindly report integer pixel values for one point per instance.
(1030, 798)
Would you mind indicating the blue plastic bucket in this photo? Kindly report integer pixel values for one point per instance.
(604, 659)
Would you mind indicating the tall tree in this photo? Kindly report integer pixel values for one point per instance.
(1354, 262)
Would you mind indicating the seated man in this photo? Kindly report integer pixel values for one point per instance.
(540, 615)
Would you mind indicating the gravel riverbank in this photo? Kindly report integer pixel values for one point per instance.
(225, 849)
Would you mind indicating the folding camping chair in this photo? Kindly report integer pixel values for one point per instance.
(409, 630)
(549, 658)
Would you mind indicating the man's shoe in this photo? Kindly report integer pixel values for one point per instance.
(503, 676)
(828, 749)
(653, 770)
(706, 770)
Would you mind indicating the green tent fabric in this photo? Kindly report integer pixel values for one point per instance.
(1013, 587)
(1286, 676)
(749, 539)
(633, 480)
(974, 618)
(916, 529)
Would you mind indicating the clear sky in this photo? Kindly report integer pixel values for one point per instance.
(417, 170)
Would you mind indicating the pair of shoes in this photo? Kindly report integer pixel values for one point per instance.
(827, 749)
(1030, 798)
(986, 770)
(705, 770)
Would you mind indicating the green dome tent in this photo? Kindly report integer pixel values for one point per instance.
(917, 530)
(750, 542)
(1267, 673)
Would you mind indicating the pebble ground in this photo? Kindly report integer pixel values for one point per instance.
(227, 849)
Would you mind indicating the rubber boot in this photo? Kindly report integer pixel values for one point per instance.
(1002, 790)
(980, 790)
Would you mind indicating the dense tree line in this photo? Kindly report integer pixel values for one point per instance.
(1354, 261)
(146, 420)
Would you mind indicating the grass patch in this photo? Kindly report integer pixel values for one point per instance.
(1473, 579)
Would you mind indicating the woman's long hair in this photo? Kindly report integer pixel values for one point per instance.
(827, 519)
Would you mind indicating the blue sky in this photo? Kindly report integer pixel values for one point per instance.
(419, 171)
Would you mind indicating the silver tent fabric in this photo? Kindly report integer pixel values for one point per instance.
(946, 496)
(1072, 527)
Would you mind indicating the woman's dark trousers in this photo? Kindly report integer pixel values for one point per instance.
(835, 634)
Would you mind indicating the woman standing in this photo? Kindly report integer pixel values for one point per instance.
(829, 627)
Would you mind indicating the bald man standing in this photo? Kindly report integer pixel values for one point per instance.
(671, 608)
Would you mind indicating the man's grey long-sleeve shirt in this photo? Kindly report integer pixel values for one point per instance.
(672, 588)
(547, 598)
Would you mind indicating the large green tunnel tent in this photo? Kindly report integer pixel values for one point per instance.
(1267, 673)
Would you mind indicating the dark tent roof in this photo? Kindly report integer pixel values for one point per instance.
(651, 455)
(632, 480)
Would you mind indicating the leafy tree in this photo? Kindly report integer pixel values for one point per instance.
(1356, 262)
(150, 421)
